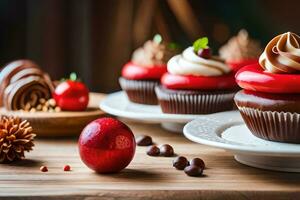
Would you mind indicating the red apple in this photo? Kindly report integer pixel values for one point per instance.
(71, 95)
(106, 145)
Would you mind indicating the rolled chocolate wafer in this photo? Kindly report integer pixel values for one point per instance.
(10, 70)
(22, 84)
(26, 91)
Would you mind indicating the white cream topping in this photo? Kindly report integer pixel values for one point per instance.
(188, 63)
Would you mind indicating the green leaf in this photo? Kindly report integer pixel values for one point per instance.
(201, 43)
(73, 76)
(174, 46)
(157, 38)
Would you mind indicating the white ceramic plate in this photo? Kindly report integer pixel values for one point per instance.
(118, 104)
(228, 131)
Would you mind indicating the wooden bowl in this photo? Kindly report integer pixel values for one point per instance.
(46, 124)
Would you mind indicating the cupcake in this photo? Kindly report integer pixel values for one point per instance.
(270, 100)
(143, 72)
(240, 51)
(196, 82)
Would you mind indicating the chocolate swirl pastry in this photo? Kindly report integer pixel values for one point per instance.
(22, 83)
(9, 71)
(282, 54)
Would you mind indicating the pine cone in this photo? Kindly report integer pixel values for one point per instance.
(16, 136)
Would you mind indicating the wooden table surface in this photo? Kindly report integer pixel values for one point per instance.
(145, 178)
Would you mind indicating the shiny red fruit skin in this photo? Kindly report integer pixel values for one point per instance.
(254, 78)
(106, 145)
(71, 96)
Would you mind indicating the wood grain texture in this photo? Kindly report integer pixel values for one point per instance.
(145, 178)
(60, 124)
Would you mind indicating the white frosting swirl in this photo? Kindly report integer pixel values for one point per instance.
(188, 63)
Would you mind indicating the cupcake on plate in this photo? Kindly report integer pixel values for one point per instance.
(196, 82)
(143, 72)
(240, 51)
(270, 101)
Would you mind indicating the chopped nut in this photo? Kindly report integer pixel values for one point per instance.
(52, 102)
(45, 109)
(42, 100)
(27, 107)
(39, 107)
(57, 109)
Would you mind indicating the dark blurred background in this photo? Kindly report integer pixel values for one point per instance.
(96, 37)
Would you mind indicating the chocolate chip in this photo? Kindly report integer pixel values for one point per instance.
(197, 162)
(180, 162)
(193, 170)
(144, 140)
(153, 150)
(43, 169)
(166, 150)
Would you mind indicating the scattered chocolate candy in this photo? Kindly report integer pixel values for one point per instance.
(43, 169)
(166, 150)
(67, 168)
(144, 140)
(193, 170)
(180, 162)
(153, 151)
(197, 162)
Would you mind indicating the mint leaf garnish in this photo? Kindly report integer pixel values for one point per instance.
(201, 43)
(157, 38)
(73, 76)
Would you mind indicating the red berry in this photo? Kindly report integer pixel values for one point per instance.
(71, 96)
(204, 53)
(106, 145)
(67, 168)
(43, 169)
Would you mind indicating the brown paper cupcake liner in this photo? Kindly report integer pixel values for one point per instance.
(140, 91)
(193, 101)
(272, 125)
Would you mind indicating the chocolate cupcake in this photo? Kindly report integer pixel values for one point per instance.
(23, 83)
(240, 51)
(143, 72)
(269, 103)
(196, 83)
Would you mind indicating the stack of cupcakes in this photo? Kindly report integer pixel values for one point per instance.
(194, 82)
(143, 72)
(240, 51)
(270, 101)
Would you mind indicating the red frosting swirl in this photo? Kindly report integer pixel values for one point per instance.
(135, 72)
(254, 78)
(190, 82)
